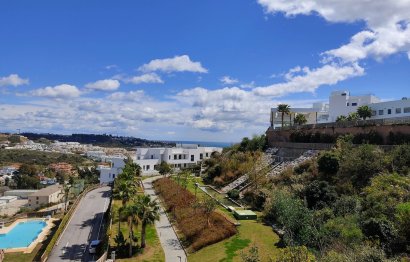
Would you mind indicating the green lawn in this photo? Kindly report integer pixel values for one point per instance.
(250, 233)
(21, 257)
(153, 251)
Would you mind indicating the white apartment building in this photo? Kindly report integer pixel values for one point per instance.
(181, 156)
(343, 103)
(109, 173)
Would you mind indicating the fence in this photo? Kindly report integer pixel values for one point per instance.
(357, 123)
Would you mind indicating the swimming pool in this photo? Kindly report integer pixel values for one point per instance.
(22, 234)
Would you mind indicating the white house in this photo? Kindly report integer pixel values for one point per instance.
(181, 156)
(109, 173)
(343, 103)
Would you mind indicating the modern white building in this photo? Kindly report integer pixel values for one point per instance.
(343, 103)
(181, 156)
(109, 173)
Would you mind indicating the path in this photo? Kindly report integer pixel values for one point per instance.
(169, 240)
(83, 227)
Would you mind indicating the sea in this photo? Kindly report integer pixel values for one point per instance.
(206, 143)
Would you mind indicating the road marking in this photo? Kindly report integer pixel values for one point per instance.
(64, 248)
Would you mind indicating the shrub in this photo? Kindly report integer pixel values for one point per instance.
(191, 218)
(234, 194)
(328, 163)
(319, 194)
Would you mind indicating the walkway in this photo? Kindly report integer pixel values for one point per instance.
(169, 240)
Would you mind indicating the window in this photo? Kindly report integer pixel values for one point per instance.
(175, 157)
(207, 155)
(398, 110)
(113, 175)
(354, 104)
(184, 165)
(180, 156)
(343, 94)
(201, 156)
(347, 104)
(192, 158)
(169, 157)
(152, 156)
(389, 111)
(381, 112)
(406, 110)
(374, 112)
(37, 198)
(138, 158)
(147, 167)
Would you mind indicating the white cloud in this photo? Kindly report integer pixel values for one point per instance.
(145, 78)
(104, 85)
(308, 80)
(387, 21)
(176, 64)
(227, 80)
(13, 80)
(128, 96)
(59, 91)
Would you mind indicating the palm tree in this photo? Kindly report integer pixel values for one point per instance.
(131, 211)
(148, 213)
(300, 119)
(124, 190)
(364, 112)
(284, 109)
(341, 118)
(353, 116)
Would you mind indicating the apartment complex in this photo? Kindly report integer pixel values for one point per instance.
(48, 195)
(343, 103)
(180, 156)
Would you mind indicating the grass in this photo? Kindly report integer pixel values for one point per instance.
(250, 233)
(21, 257)
(153, 251)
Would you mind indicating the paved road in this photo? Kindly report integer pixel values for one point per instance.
(83, 227)
(169, 240)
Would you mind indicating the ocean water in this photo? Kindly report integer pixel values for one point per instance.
(206, 143)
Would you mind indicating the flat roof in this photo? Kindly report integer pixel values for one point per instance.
(245, 212)
(47, 190)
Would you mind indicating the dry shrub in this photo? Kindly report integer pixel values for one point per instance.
(192, 221)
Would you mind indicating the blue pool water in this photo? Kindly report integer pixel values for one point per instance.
(22, 234)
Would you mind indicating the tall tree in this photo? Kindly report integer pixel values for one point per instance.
(364, 112)
(300, 119)
(284, 109)
(341, 118)
(353, 116)
(131, 211)
(148, 213)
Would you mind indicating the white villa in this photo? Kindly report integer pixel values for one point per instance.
(181, 156)
(343, 103)
(109, 173)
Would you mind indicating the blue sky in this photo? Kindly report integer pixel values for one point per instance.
(191, 70)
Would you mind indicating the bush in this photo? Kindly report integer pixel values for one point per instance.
(319, 194)
(234, 194)
(372, 137)
(381, 230)
(192, 218)
(328, 163)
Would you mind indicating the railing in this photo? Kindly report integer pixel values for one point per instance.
(344, 124)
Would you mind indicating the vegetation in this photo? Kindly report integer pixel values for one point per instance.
(40, 158)
(283, 109)
(300, 119)
(364, 112)
(349, 204)
(198, 222)
(235, 161)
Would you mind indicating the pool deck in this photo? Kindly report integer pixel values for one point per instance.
(41, 237)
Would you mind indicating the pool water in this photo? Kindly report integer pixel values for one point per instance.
(22, 234)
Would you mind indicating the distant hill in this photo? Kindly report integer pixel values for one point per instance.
(98, 140)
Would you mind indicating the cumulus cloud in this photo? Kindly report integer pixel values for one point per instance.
(13, 80)
(104, 85)
(137, 95)
(59, 91)
(387, 21)
(227, 80)
(176, 64)
(145, 78)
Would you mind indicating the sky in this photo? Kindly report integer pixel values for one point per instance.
(191, 70)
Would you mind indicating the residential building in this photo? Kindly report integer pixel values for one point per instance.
(46, 196)
(181, 156)
(343, 103)
(20, 193)
(109, 172)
